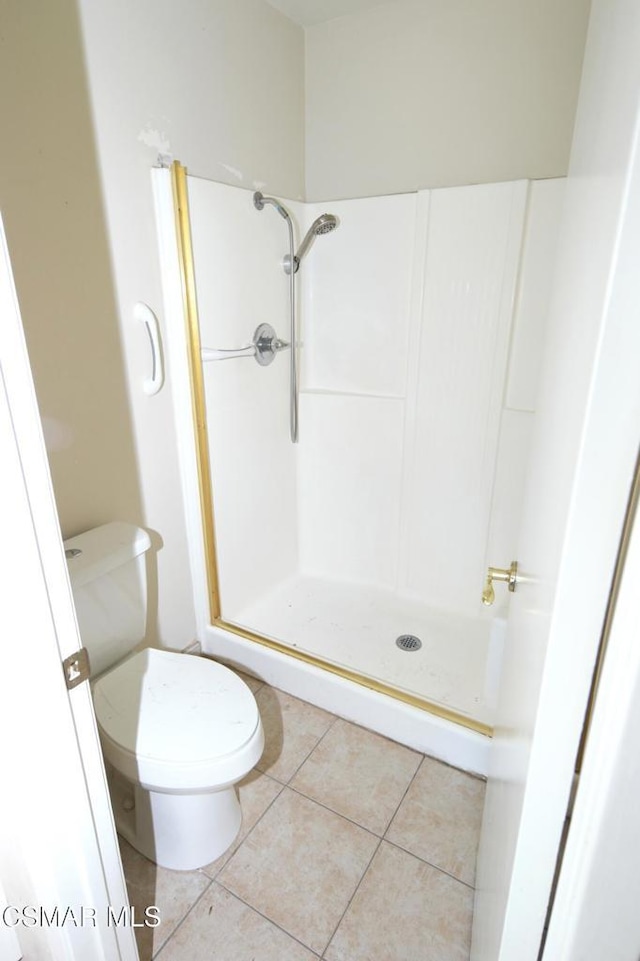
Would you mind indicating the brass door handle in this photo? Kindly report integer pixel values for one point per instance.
(509, 575)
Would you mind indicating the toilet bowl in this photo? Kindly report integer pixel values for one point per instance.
(178, 731)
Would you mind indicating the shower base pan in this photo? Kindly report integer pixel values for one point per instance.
(356, 628)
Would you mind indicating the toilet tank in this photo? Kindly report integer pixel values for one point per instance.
(108, 577)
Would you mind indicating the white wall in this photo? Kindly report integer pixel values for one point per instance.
(429, 93)
(219, 86)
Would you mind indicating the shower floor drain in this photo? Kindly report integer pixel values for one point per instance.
(409, 642)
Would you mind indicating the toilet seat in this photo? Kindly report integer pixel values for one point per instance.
(177, 723)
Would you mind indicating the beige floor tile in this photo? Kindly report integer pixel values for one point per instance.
(439, 819)
(173, 892)
(405, 910)
(222, 928)
(300, 866)
(292, 729)
(358, 774)
(256, 792)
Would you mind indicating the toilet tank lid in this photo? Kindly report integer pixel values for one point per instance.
(102, 549)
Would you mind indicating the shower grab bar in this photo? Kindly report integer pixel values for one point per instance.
(151, 385)
(266, 344)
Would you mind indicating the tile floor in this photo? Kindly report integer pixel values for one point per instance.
(352, 848)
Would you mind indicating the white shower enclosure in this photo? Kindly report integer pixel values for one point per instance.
(420, 322)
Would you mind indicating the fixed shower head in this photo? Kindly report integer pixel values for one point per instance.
(259, 200)
(323, 224)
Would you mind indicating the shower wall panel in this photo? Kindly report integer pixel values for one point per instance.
(423, 325)
(238, 254)
(471, 267)
(356, 287)
(546, 199)
(544, 211)
(349, 482)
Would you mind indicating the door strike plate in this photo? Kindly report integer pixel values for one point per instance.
(76, 668)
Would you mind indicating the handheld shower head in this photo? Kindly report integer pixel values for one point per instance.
(323, 224)
(259, 200)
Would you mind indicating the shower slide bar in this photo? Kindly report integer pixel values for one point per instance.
(323, 224)
(266, 344)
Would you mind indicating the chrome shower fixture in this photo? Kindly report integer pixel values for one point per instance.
(259, 200)
(323, 224)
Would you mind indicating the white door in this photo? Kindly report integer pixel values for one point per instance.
(588, 433)
(58, 846)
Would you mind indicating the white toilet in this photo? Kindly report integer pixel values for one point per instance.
(179, 731)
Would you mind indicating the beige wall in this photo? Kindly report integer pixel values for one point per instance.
(220, 85)
(441, 93)
(51, 204)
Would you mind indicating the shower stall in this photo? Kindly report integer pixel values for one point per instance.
(403, 360)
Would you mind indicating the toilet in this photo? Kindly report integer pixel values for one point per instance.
(177, 731)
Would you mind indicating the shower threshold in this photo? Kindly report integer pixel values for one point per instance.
(355, 627)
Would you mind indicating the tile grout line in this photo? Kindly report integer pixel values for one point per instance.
(183, 919)
(340, 813)
(269, 920)
(331, 810)
(283, 785)
(251, 829)
(415, 774)
(412, 854)
(406, 849)
(378, 838)
(381, 838)
(384, 840)
(316, 745)
(355, 891)
(303, 761)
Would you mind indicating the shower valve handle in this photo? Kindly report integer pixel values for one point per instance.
(509, 575)
(266, 344)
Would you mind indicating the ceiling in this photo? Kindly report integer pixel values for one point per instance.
(309, 12)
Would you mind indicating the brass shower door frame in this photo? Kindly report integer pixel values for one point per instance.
(205, 487)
